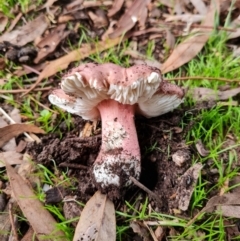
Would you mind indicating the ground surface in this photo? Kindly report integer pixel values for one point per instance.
(190, 157)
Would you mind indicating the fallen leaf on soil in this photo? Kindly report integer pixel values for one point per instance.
(235, 25)
(48, 44)
(26, 33)
(47, 5)
(29, 235)
(39, 218)
(71, 209)
(73, 4)
(200, 6)
(2, 64)
(188, 18)
(62, 63)
(189, 48)
(151, 232)
(159, 233)
(10, 145)
(117, 5)
(228, 205)
(25, 69)
(12, 157)
(5, 224)
(97, 221)
(136, 13)
(186, 186)
(201, 149)
(3, 22)
(179, 7)
(170, 39)
(141, 230)
(10, 131)
(98, 18)
(206, 94)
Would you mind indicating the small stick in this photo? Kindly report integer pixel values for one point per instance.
(40, 104)
(15, 234)
(194, 25)
(141, 186)
(31, 69)
(14, 22)
(23, 90)
(202, 77)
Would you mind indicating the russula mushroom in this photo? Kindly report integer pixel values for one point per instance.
(114, 94)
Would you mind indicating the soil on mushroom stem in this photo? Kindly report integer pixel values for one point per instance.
(158, 138)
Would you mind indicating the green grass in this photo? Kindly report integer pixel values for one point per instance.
(7, 6)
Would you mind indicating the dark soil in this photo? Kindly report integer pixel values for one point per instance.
(159, 138)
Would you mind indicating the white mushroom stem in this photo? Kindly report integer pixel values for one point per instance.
(119, 156)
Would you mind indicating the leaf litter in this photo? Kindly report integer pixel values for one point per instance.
(132, 20)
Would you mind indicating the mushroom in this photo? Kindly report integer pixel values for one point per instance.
(115, 94)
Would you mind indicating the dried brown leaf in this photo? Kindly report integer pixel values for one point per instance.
(141, 230)
(170, 39)
(47, 5)
(179, 7)
(39, 218)
(10, 131)
(159, 233)
(186, 186)
(26, 33)
(201, 149)
(117, 5)
(3, 22)
(137, 12)
(97, 221)
(5, 224)
(98, 18)
(74, 4)
(62, 63)
(188, 18)
(206, 94)
(12, 157)
(228, 204)
(235, 25)
(29, 235)
(93, 4)
(189, 48)
(200, 6)
(2, 64)
(50, 42)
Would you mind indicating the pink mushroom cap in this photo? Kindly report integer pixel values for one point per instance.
(115, 94)
(139, 85)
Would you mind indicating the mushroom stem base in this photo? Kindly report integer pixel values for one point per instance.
(119, 157)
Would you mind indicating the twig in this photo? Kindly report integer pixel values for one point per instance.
(40, 104)
(15, 234)
(202, 77)
(14, 22)
(13, 122)
(199, 26)
(23, 90)
(31, 68)
(148, 191)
